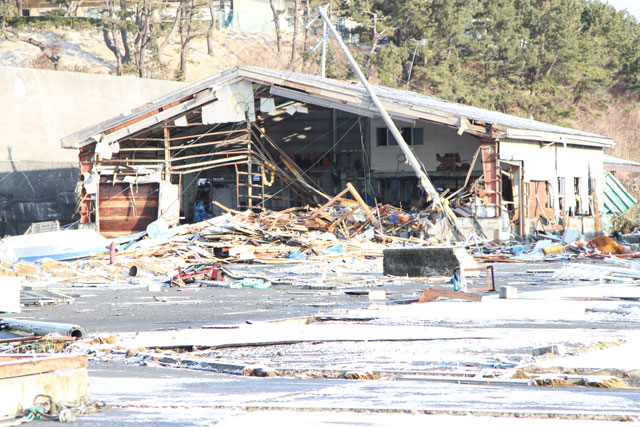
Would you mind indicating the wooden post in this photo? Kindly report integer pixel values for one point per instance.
(167, 154)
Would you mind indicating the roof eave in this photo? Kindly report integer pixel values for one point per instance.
(560, 138)
(88, 135)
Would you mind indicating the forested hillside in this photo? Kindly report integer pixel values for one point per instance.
(533, 57)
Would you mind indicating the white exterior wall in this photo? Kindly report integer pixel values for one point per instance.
(548, 162)
(437, 140)
(40, 107)
(256, 16)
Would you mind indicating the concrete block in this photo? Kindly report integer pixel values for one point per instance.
(154, 287)
(431, 261)
(508, 292)
(377, 295)
(550, 349)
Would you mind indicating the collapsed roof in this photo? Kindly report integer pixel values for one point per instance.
(346, 96)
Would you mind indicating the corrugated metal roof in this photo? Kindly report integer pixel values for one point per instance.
(415, 99)
(617, 199)
(410, 100)
(83, 135)
(606, 158)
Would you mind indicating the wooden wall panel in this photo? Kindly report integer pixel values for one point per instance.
(126, 209)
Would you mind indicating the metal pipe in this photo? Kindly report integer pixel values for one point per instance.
(425, 183)
(43, 328)
(411, 67)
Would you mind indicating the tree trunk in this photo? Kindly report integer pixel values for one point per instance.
(144, 15)
(210, 30)
(376, 39)
(276, 22)
(48, 51)
(296, 25)
(72, 9)
(186, 35)
(172, 32)
(305, 43)
(126, 58)
(142, 66)
(108, 31)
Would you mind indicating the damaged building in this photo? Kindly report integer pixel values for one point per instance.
(254, 138)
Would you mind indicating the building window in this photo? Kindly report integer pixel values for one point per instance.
(577, 194)
(413, 136)
(381, 137)
(561, 195)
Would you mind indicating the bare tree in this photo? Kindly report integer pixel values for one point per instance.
(296, 29)
(276, 21)
(114, 33)
(189, 29)
(49, 51)
(144, 16)
(172, 32)
(212, 25)
(377, 36)
(71, 6)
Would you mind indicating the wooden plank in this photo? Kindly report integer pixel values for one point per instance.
(340, 220)
(434, 292)
(329, 203)
(209, 163)
(177, 138)
(114, 207)
(29, 365)
(210, 155)
(364, 206)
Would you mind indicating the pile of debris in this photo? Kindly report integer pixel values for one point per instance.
(341, 226)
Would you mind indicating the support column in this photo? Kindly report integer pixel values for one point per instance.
(492, 178)
(167, 154)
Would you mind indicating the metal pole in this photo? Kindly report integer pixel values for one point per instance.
(425, 183)
(411, 67)
(323, 61)
(43, 328)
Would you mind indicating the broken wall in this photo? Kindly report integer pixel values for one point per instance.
(548, 162)
(438, 140)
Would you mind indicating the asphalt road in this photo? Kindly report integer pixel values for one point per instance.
(161, 396)
(143, 396)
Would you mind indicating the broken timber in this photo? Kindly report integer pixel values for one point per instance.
(433, 292)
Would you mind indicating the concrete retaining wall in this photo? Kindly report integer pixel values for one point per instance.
(38, 108)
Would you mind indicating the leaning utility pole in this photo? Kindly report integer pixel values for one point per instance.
(425, 183)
